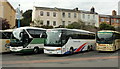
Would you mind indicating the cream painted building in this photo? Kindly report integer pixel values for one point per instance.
(7, 12)
(58, 16)
(90, 17)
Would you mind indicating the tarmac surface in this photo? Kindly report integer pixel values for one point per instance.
(82, 59)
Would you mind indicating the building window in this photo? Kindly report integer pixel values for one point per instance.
(69, 15)
(48, 14)
(88, 16)
(54, 14)
(63, 14)
(88, 23)
(48, 23)
(117, 21)
(102, 20)
(41, 13)
(75, 15)
(83, 16)
(41, 22)
(93, 16)
(54, 23)
(63, 23)
(69, 22)
(112, 20)
(107, 20)
(93, 24)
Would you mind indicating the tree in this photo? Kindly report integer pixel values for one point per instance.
(4, 24)
(61, 26)
(37, 22)
(118, 28)
(91, 28)
(77, 25)
(82, 24)
(74, 25)
(27, 18)
(47, 27)
(104, 26)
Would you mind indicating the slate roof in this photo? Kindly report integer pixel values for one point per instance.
(62, 9)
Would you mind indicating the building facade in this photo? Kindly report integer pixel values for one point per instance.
(7, 12)
(113, 19)
(58, 16)
(90, 17)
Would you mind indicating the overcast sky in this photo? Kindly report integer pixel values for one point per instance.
(101, 6)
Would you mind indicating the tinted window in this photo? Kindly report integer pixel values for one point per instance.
(0, 35)
(117, 36)
(80, 35)
(36, 33)
(5, 35)
(31, 32)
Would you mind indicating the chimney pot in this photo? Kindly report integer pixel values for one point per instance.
(114, 13)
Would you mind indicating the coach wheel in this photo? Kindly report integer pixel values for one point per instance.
(71, 50)
(88, 49)
(36, 50)
(115, 48)
(91, 48)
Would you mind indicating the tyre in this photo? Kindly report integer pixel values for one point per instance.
(88, 48)
(71, 50)
(115, 48)
(36, 50)
(91, 48)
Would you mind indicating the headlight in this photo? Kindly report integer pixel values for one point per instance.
(7, 41)
(58, 49)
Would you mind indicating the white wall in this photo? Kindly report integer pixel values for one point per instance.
(59, 18)
(45, 18)
(90, 19)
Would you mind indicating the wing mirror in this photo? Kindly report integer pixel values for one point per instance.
(21, 33)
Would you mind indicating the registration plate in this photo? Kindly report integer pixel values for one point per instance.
(14, 49)
(50, 52)
(102, 45)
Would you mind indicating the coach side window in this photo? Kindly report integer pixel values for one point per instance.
(38, 34)
(91, 36)
(117, 36)
(26, 39)
(44, 35)
(31, 32)
(0, 35)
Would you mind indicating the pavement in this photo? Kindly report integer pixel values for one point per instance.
(83, 59)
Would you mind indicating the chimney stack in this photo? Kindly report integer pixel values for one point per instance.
(114, 13)
(76, 9)
(92, 10)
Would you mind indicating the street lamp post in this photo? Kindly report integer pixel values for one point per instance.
(19, 16)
